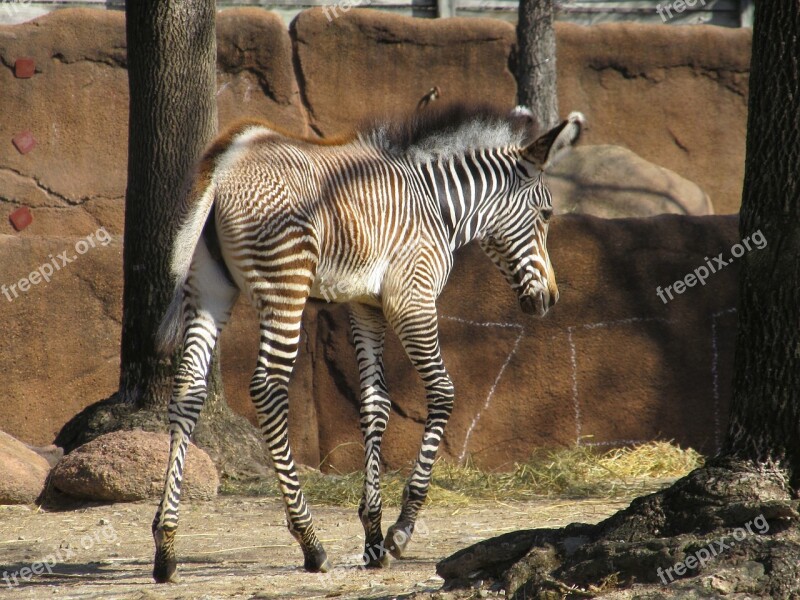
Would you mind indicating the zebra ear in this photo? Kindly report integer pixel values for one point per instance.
(546, 151)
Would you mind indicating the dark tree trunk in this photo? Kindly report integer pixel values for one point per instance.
(765, 413)
(173, 115)
(536, 61)
(742, 505)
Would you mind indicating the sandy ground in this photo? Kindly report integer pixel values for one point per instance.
(239, 547)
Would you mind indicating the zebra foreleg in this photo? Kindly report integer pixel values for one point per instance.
(369, 327)
(420, 339)
(188, 395)
(269, 390)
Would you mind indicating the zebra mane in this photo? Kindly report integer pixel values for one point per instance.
(443, 131)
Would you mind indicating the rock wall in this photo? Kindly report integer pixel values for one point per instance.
(674, 95)
(611, 362)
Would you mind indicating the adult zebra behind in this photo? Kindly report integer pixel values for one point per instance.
(372, 219)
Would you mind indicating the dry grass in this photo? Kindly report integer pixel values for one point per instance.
(576, 472)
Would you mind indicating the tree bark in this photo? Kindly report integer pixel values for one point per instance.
(536, 62)
(765, 412)
(173, 115)
(657, 540)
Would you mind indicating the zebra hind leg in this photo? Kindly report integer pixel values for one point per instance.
(419, 335)
(269, 391)
(368, 326)
(208, 299)
(187, 400)
(207, 312)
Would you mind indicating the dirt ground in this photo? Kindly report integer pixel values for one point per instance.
(239, 547)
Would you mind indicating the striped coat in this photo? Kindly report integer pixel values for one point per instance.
(372, 219)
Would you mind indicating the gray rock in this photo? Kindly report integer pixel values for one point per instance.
(52, 453)
(611, 181)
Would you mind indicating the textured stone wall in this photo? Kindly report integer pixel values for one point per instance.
(611, 362)
(674, 95)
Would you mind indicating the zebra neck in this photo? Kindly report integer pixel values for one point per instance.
(465, 188)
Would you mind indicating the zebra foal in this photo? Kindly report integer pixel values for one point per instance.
(372, 219)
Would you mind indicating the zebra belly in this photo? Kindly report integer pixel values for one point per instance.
(364, 287)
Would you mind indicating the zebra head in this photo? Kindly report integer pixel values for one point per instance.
(517, 243)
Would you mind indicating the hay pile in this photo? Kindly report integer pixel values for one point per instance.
(576, 472)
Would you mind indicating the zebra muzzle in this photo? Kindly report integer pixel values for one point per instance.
(536, 303)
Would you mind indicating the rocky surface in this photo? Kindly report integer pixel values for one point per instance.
(51, 453)
(610, 364)
(611, 181)
(676, 96)
(60, 349)
(542, 383)
(126, 466)
(386, 63)
(76, 106)
(648, 88)
(255, 74)
(236, 547)
(22, 472)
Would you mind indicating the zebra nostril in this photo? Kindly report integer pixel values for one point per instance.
(527, 305)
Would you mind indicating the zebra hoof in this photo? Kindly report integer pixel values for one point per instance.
(376, 556)
(165, 569)
(398, 537)
(165, 563)
(316, 561)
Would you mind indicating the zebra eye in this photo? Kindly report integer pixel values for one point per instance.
(546, 214)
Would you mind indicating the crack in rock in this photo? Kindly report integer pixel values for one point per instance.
(66, 202)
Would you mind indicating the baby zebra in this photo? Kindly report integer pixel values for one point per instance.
(372, 219)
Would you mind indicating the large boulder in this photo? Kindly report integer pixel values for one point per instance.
(645, 87)
(22, 472)
(255, 75)
(611, 181)
(51, 453)
(126, 466)
(60, 349)
(521, 383)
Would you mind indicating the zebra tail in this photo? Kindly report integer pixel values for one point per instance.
(195, 212)
(171, 328)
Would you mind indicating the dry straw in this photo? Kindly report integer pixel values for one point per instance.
(576, 472)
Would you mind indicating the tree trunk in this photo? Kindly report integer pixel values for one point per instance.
(765, 412)
(173, 115)
(172, 55)
(740, 511)
(536, 62)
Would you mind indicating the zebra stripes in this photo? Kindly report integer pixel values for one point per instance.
(372, 219)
